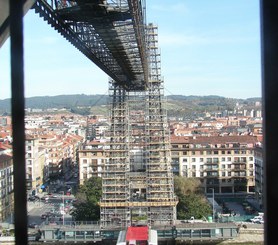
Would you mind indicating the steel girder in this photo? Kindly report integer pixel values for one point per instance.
(110, 33)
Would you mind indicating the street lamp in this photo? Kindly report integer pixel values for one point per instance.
(212, 203)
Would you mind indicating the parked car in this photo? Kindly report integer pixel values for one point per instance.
(257, 220)
(44, 216)
(31, 198)
(45, 198)
(33, 225)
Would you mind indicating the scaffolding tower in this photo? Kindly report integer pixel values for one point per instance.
(137, 182)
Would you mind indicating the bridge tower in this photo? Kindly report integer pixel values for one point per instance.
(137, 179)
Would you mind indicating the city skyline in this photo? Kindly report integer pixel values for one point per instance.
(207, 48)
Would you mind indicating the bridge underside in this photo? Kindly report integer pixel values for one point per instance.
(108, 33)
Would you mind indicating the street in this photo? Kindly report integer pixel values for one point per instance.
(56, 209)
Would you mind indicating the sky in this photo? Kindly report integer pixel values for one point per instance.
(208, 47)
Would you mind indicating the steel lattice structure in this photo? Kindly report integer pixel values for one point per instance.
(138, 179)
(110, 33)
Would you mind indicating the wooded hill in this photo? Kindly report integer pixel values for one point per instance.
(175, 104)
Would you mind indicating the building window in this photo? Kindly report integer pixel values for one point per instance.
(184, 152)
(215, 160)
(175, 153)
(201, 159)
(223, 159)
(184, 160)
(223, 174)
(193, 159)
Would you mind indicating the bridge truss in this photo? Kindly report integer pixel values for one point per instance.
(110, 33)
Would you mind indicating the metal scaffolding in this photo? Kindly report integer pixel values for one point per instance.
(160, 186)
(137, 180)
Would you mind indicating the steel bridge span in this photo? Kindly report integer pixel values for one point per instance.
(110, 33)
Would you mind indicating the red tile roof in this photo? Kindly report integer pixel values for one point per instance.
(213, 139)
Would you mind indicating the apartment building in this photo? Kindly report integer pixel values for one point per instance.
(224, 163)
(35, 165)
(92, 158)
(70, 148)
(259, 174)
(5, 148)
(6, 187)
(54, 154)
(5, 121)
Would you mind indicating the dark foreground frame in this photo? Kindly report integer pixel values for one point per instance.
(269, 41)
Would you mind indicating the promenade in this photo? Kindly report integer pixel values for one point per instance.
(248, 234)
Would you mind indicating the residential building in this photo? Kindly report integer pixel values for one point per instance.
(259, 174)
(35, 165)
(92, 158)
(224, 163)
(6, 187)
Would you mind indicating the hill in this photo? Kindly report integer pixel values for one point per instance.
(176, 105)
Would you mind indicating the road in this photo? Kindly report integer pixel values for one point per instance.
(53, 205)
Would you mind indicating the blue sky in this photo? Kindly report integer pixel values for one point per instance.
(208, 47)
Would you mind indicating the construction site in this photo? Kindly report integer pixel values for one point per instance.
(137, 181)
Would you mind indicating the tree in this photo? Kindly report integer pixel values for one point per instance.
(194, 205)
(186, 186)
(192, 201)
(88, 196)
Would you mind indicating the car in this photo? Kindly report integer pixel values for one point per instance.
(33, 225)
(31, 198)
(257, 220)
(44, 216)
